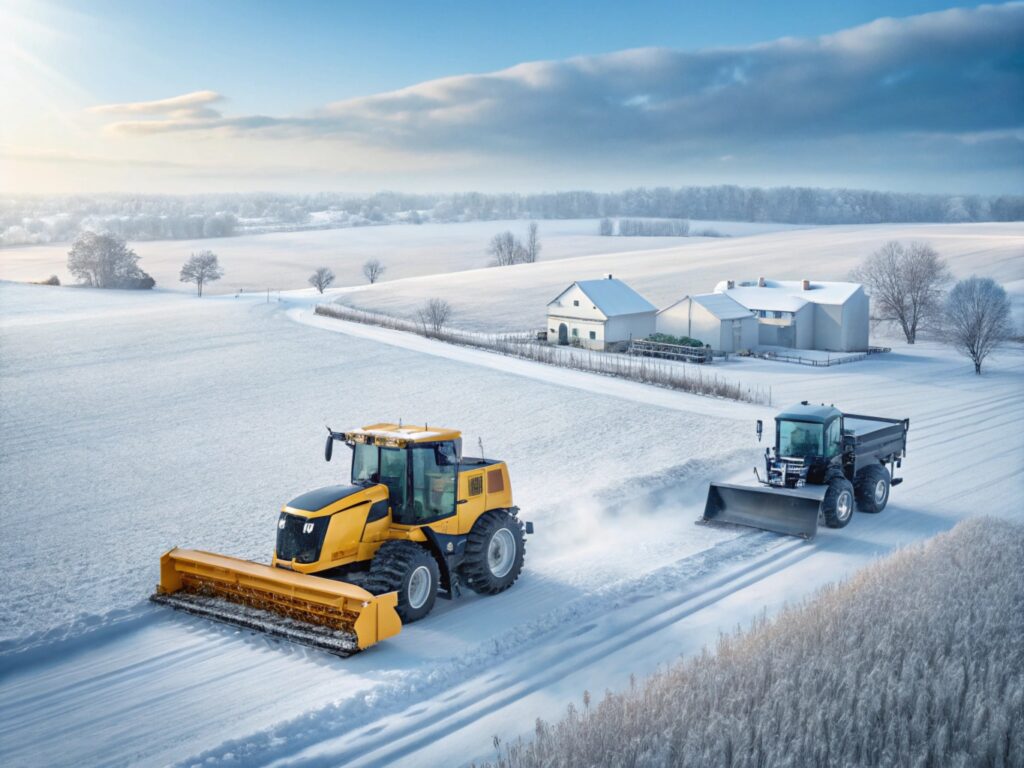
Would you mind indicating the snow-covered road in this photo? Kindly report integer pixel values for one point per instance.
(224, 421)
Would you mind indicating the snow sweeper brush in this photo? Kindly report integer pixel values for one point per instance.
(334, 616)
(822, 464)
(354, 562)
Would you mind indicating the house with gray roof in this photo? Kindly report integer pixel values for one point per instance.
(805, 314)
(717, 320)
(599, 314)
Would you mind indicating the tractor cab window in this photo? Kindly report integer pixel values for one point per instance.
(434, 470)
(800, 439)
(394, 472)
(833, 438)
(365, 464)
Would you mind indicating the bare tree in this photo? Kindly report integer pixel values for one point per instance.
(906, 284)
(106, 261)
(977, 318)
(200, 269)
(373, 269)
(321, 279)
(532, 248)
(434, 315)
(607, 229)
(506, 249)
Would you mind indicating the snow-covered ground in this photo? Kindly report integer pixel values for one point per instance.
(516, 297)
(134, 423)
(285, 260)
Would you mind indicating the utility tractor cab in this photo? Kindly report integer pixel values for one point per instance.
(421, 478)
(808, 438)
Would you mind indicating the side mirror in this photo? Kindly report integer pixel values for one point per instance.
(329, 448)
(760, 429)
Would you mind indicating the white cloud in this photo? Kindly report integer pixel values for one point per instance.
(874, 88)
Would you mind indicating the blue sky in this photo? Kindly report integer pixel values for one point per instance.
(284, 56)
(188, 95)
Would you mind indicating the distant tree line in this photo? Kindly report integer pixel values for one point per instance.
(29, 220)
(650, 227)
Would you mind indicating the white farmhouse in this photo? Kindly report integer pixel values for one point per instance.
(599, 314)
(719, 321)
(805, 315)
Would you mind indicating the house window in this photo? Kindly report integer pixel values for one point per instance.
(777, 315)
(762, 313)
(576, 302)
(576, 332)
(593, 334)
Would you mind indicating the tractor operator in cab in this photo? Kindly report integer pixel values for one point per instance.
(802, 443)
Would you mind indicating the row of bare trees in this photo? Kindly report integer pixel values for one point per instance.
(507, 249)
(910, 288)
(323, 278)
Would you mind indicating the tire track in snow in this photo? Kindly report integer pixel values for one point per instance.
(545, 639)
(413, 732)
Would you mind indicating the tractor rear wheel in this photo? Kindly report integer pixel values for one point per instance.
(494, 552)
(411, 571)
(872, 487)
(837, 506)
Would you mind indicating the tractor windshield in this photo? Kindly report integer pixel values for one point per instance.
(800, 439)
(421, 480)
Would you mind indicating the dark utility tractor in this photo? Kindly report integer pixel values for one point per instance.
(822, 463)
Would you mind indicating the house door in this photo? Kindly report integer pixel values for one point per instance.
(563, 334)
(737, 335)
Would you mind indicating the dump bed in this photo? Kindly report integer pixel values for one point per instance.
(876, 438)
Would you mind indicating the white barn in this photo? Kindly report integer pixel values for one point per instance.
(599, 314)
(802, 314)
(719, 321)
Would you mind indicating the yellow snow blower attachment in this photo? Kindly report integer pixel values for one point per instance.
(354, 562)
(332, 615)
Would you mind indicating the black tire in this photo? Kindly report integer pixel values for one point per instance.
(872, 488)
(393, 569)
(483, 569)
(838, 504)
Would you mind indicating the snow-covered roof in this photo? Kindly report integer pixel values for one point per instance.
(787, 295)
(721, 306)
(613, 297)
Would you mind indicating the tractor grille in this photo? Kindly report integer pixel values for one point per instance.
(299, 538)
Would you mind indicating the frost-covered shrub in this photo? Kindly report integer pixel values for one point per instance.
(917, 661)
(668, 338)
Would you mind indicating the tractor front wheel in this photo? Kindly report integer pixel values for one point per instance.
(411, 571)
(838, 504)
(494, 552)
(872, 486)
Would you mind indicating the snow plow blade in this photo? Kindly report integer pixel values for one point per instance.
(792, 511)
(335, 616)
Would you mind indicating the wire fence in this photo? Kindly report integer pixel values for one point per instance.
(523, 345)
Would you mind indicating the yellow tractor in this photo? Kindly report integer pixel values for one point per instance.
(354, 562)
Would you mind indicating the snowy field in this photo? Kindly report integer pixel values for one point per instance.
(134, 422)
(285, 260)
(515, 298)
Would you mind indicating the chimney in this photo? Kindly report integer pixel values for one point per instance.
(760, 282)
(730, 284)
(806, 285)
(608, 276)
